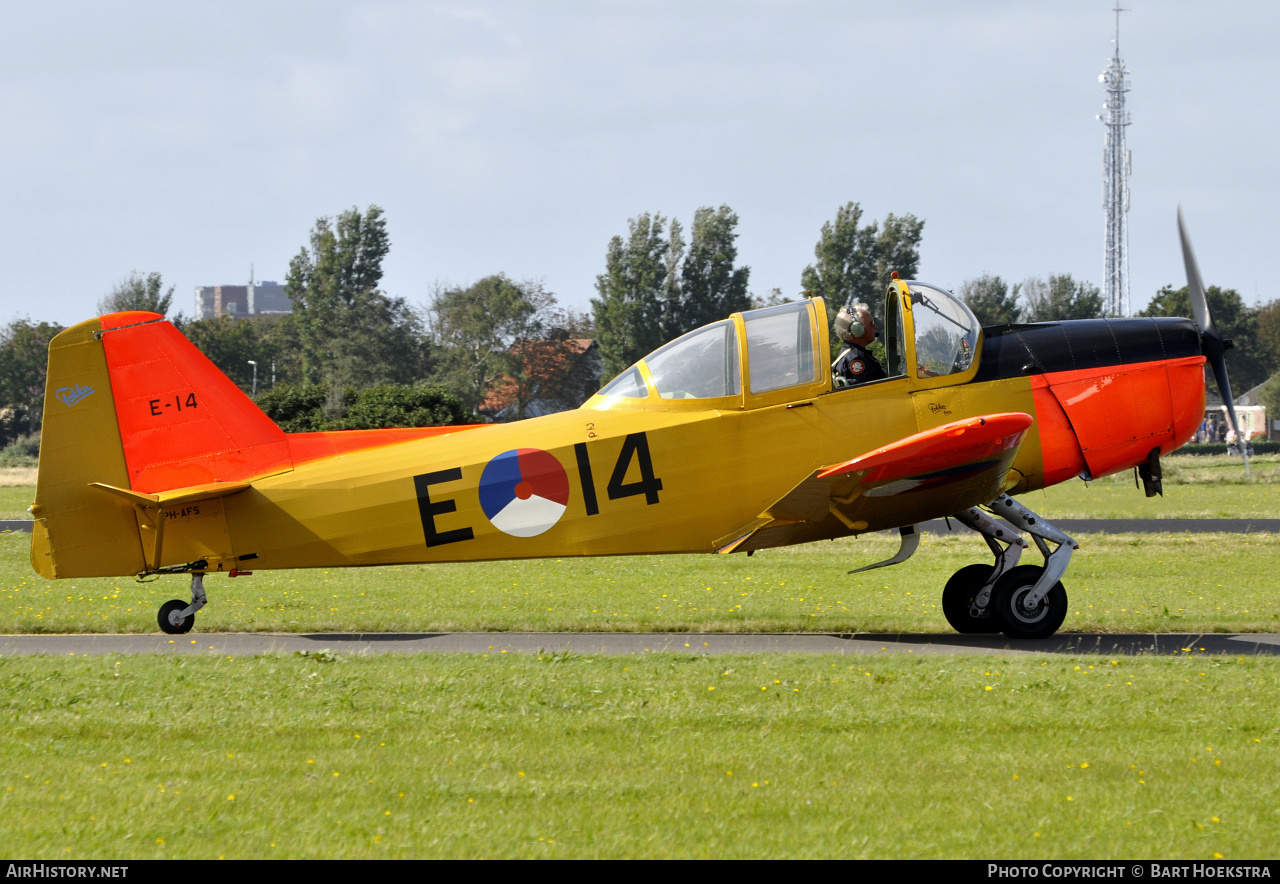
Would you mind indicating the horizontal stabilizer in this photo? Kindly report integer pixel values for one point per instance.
(177, 496)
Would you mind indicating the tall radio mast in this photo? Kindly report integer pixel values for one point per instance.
(1115, 184)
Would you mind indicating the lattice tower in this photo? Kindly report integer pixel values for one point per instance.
(1116, 168)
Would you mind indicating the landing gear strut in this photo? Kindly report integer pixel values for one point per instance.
(1025, 601)
(176, 617)
(966, 599)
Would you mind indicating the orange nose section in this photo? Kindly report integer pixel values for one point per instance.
(1106, 420)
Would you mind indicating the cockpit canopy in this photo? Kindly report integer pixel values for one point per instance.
(928, 332)
(783, 349)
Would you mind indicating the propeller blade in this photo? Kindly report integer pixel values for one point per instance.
(1195, 284)
(1210, 340)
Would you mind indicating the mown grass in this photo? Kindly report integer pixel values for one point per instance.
(646, 756)
(14, 500)
(1117, 583)
(1132, 583)
(655, 755)
(1195, 488)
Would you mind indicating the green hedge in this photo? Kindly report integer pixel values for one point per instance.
(309, 408)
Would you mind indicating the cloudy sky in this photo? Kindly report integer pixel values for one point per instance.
(196, 138)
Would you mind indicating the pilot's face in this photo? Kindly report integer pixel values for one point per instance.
(869, 323)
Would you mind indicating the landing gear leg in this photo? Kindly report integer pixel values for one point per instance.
(1030, 602)
(177, 617)
(966, 599)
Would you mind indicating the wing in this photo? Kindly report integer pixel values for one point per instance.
(932, 474)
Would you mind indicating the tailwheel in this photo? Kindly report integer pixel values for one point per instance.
(171, 619)
(958, 598)
(177, 617)
(1019, 614)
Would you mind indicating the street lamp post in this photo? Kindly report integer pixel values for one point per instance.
(255, 378)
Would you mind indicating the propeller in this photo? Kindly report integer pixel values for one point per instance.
(1210, 339)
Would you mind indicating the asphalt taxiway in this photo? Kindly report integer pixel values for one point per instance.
(241, 644)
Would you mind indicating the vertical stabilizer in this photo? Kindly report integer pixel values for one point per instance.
(79, 531)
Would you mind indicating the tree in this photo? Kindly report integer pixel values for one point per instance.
(854, 263)
(281, 349)
(479, 328)
(773, 299)
(991, 301)
(559, 371)
(24, 359)
(653, 290)
(1061, 298)
(710, 286)
(1268, 324)
(639, 292)
(350, 332)
(138, 292)
(1250, 361)
(1269, 396)
(229, 343)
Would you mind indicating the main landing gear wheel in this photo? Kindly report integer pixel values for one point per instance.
(171, 619)
(1016, 620)
(957, 601)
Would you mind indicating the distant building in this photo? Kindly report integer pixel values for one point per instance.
(253, 299)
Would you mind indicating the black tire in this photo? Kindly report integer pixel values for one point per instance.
(957, 596)
(166, 626)
(1017, 623)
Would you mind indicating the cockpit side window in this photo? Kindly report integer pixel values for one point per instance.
(780, 347)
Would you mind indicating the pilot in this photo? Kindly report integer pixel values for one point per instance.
(857, 328)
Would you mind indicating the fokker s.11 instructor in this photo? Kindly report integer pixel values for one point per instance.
(732, 438)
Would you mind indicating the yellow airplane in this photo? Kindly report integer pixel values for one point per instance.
(729, 439)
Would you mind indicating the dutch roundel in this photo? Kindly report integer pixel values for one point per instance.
(524, 492)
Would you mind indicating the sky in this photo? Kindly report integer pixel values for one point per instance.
(194, 139)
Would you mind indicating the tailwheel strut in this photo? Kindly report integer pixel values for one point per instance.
(176, 617)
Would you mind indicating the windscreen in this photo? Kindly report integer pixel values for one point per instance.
(946, 331)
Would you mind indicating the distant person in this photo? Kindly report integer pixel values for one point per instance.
(855, 365)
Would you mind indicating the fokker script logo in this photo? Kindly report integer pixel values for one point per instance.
(936, 407)
(71, 395)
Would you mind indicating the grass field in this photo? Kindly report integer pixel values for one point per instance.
(1117, 583)
(650, 756)
(326, 756)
